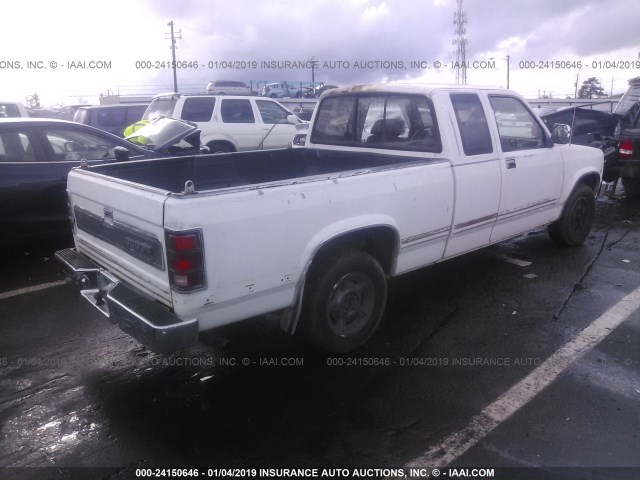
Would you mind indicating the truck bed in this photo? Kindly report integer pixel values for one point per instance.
(212, 172)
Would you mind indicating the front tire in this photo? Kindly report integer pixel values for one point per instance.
(344, 300)
(573, 227)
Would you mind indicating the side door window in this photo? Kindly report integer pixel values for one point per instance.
(16, 147)
(517, 127)
(198, 109)
(68, 145)
(271, 112)
(237, 111)
(472, 124)
(278, 132)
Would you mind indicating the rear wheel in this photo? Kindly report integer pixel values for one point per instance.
(572, 228)
(345, 298)
(219, 147)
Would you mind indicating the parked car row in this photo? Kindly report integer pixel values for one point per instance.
(37, 154)
(271, 90)
(284, 90)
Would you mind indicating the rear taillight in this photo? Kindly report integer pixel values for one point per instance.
(185, 260)
(625, 148)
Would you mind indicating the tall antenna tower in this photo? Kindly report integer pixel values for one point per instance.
(460, 41)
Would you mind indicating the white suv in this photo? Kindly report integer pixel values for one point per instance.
(230, 123)
(228, 87)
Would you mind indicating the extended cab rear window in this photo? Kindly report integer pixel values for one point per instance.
(387, 121)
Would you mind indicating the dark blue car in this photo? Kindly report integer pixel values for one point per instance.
(37, 154)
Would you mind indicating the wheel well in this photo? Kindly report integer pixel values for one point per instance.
(591, 180)
(222, 142)
(379, 242)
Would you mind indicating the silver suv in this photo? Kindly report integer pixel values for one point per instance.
(228, 87)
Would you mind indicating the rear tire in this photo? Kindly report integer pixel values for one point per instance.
(345, 298)
(219, 147)
(574, 225)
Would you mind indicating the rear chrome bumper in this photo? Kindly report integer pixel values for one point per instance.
(144, 319)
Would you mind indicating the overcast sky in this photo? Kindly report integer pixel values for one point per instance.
(384, 37)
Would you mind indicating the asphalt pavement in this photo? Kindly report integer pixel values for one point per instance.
(520, 360)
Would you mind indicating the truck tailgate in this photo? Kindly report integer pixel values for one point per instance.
(119, 225)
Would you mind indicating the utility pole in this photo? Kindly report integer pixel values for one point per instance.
(173, 53)
(460, 21)
(575, 95)
(508, 62)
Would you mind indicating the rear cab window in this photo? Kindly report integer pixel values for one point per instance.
(387, 121)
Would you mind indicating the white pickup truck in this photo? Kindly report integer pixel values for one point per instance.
(392, 178)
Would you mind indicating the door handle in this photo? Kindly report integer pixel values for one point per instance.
(511, 163)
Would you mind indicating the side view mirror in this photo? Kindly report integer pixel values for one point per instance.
(122, 154)
(561, 133)
(291, 118)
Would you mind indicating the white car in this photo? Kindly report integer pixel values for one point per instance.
(230, 123)
(228, 87)
(281, 90)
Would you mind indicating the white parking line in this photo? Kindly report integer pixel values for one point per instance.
(524, 391)
(34, 288)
